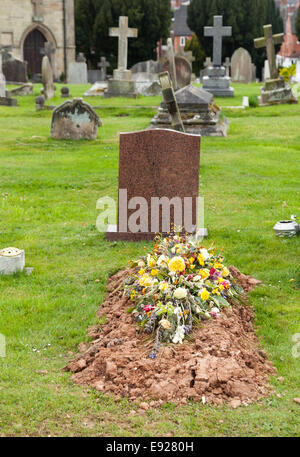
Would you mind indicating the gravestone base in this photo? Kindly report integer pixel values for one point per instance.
(276, 91)
(112, 234)
(217, 83)
(199, 113)
(7, 101)
(193, 123)
(121, 88)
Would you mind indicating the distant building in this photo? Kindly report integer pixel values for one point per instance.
(180, 30)
(27, 25)
(290, 49)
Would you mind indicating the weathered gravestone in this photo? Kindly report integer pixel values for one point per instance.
(227, 65)
(22, 90)
(266, 71)
(275, 90)
(241, 66)
(170, 101)
(47, 79)
(14, 70)
(204, 72)
(103, 65)
(77, 71)
(148, 66)
(147, 84)
(4, 100)
(297, 76)
(158, 184)
(122, 85)
(75, 120)
(96, 90)
(179, 68)
(216, 82)
(198, 112)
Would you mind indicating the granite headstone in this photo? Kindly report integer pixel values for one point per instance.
(156, 165)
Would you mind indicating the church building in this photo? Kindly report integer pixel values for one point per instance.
(27, 25)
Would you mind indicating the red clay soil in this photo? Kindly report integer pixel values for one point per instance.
(221, 363)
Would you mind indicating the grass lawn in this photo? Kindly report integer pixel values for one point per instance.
(48, 194)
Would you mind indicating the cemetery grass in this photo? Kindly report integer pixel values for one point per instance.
(48, 194)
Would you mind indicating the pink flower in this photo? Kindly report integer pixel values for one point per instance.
(148, 308)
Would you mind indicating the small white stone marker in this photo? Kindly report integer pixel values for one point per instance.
(245, 102)
(12, 260)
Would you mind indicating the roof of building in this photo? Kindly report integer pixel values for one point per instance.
(180, 27)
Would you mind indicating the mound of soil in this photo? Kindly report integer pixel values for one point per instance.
(222, 363)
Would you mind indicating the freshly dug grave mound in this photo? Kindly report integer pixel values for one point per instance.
(221, 363)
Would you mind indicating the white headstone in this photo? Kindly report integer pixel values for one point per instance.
(245, 102)
(297, 77)
(2, 80)
(266, 70)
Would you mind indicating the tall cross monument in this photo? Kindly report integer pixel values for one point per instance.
(122, 84)
(218, 31)
(123, 33)
(269, 41)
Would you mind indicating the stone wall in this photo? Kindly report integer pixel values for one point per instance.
(17, 20)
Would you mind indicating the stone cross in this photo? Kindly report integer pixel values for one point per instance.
(189, 56)
(207, 62)
(123, 33)
(269, 41)
(38, 8)
(227, 65)
(170, 100)
(217, 32)
(103, 65)
(171, 59)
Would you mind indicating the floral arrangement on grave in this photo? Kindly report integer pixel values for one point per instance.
(176, 286)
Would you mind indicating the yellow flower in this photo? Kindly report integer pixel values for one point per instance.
(221, 287)
(151, 261)
(204, 294)
(141, 272)
(225, 272)
(154, 272)
(191, 260)
(216, 292)
(164, 323)
(192, 267)
(176, 264)
(145, 281)
(218, 266)
(163, 286)
(204, 273)
(201, 260)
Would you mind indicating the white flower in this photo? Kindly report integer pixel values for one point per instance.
(205, 254)
(162, 261)
(141, 263)
(177, 310)
(180, 293)
(179, 335)
(197, 278)
(215, 311)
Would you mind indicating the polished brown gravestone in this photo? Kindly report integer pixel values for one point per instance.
(158, 184)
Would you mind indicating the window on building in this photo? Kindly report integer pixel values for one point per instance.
(182, 41)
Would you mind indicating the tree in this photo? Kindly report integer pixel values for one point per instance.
(152, 18)
(297, 24)
(246, 17)
(198, 52)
